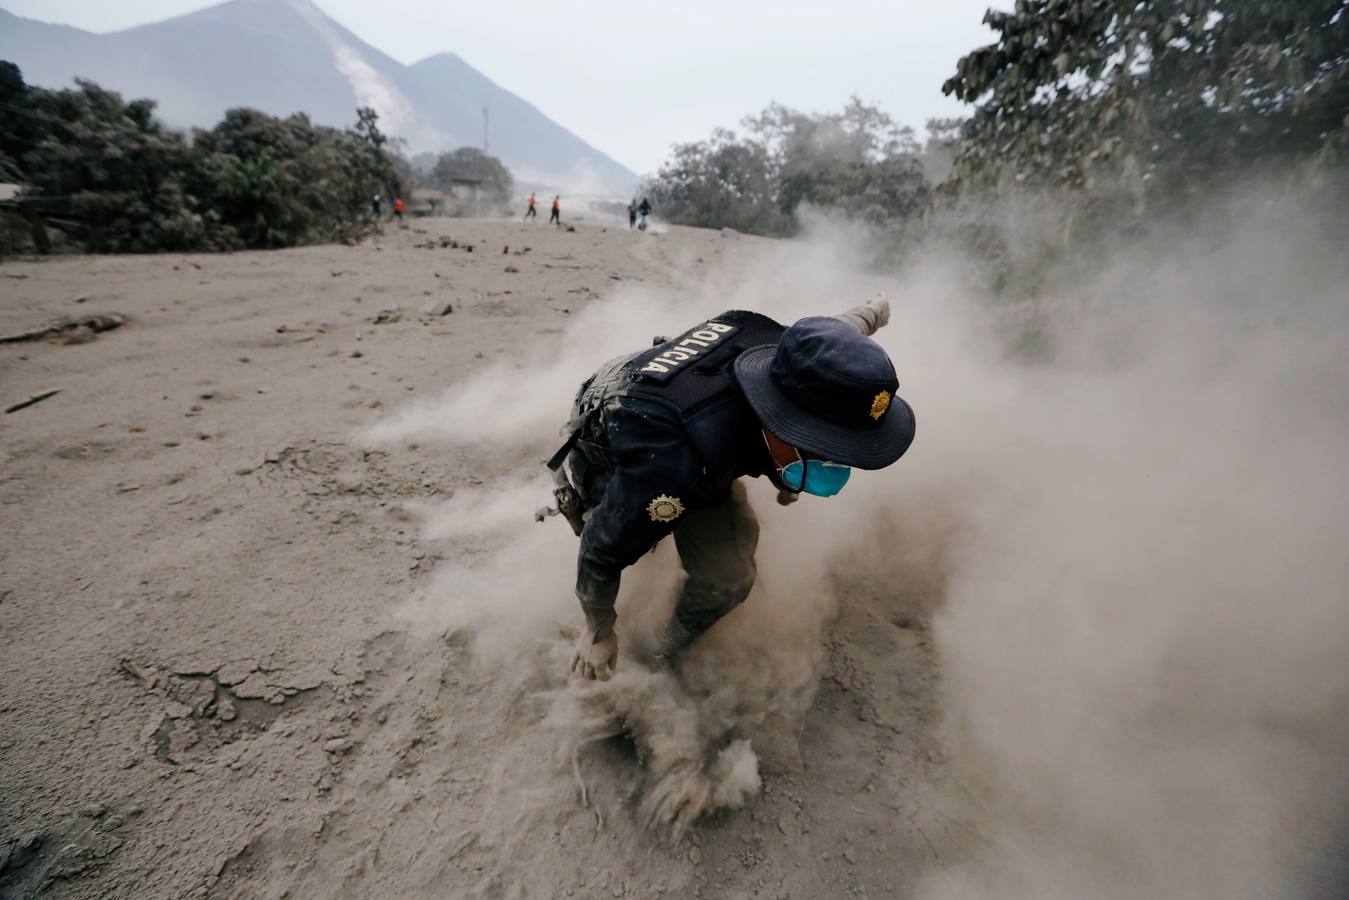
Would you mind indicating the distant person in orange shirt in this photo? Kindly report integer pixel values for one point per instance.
(398, 208)
(557, 211)
(531, 213)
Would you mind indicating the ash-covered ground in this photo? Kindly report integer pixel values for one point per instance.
(275, 619)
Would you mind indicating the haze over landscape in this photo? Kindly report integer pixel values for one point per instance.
(292, 606)
(286, 56)
(629, 80)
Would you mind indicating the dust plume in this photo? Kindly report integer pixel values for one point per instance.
(694, 766)
(754, 673)
(525, 400)
(1131, 492)
(371, 88)
(1145, 613)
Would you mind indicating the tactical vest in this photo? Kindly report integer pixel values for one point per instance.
(687, 374)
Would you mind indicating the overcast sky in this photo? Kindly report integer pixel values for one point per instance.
(632, 78)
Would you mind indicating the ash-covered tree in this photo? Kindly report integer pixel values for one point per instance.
(367, 127)
(105, 168)
(279, 182)
(856, 161)
(381, 157)
(19, 129)
(115, 179)
(1155, 101)
(722, 182)
(478, 183)
(406, 176)
(939, 148)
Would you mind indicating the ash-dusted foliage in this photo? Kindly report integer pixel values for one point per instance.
(112, 178)
(106, 169)
(1124, 111)
(1125, 116)
(478, 183)
(857, 161)
(1153, 103)
(280, 182)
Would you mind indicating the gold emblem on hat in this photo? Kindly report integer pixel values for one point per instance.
(880, 405)
(665, 508)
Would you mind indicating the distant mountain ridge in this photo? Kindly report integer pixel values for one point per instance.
(287, 56)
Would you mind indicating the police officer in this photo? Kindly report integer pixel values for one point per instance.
(659, 438)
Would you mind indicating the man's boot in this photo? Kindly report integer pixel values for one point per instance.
(674, 639)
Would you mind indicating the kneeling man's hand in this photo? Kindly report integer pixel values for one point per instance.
(595, 657)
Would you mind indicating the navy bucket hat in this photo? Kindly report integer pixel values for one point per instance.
(830, 391)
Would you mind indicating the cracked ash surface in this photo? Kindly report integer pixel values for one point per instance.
(204, 688)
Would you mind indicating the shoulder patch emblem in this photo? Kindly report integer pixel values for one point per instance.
(665, 508)
(880, 405)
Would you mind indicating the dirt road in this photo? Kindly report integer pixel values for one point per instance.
(210, 680)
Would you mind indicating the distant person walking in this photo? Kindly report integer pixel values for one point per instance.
(531, 213)
(645, 210)
(398, 208)
(375, 207)
(557, 211)
(632, 214)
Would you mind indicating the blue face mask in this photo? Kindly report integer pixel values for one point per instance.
(815, 476)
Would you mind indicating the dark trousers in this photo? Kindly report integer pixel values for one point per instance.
(555, 217)
(531, 213)
(716, 547)
(716, 544)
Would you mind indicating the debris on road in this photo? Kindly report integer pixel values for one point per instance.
(69, 329)
(36, 398)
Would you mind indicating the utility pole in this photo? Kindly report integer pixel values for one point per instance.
(484, 129)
